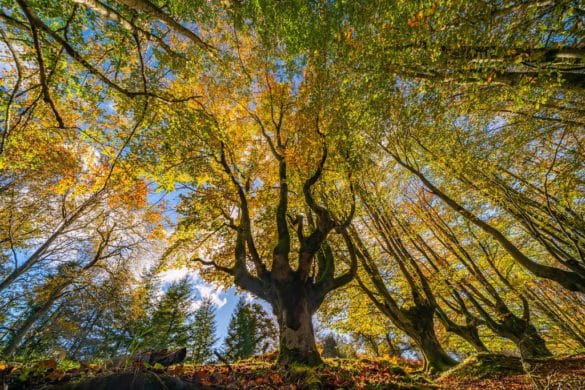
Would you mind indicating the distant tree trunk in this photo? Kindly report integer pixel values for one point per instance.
(68, 277)
(468, 333)
(516, 329)
(417, 321)
(567, 322)
(533, 346)
(525, 336)
(394, 350)
(44, 247)
(420, 326)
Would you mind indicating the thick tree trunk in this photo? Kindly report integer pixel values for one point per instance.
(471, 335)
(436, 359)
(531, 345)
(526, 338)
(468, 332)
(421, 328)
(294, 313)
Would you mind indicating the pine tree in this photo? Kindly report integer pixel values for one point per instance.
(240, 340)
(171, 322)
(251, 331)
(264, 330)
(203, 333)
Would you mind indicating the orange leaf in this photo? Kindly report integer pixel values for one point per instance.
(276, 378)
(259, 380)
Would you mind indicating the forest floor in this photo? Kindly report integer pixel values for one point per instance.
(559, 373)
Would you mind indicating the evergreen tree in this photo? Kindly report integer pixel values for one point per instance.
(240, 340)
(203, 333)
(171, 322)
(264, 329)
(251, 331)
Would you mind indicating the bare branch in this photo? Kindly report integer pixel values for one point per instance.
(151, 9)
(36, 22)
(18, 66)
(211, 263)
(113, 15)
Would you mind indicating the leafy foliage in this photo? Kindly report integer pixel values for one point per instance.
(426, 157)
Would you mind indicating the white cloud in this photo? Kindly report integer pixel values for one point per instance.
(205, 290)
(175, 274)
(212, 292)
(249, 297)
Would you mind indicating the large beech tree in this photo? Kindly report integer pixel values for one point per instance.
(294, 281)
(269, 195)
(297, 270)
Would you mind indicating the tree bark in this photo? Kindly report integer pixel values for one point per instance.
(294, 313)
(519, 330)
(468, 333)
(417, 321)
(526, 337)
(39, 310)
(422, 329)
(552, 310)
(570, 280)
(533, 346)
(436, 359)
(294, 294)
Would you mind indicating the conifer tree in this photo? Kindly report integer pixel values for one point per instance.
(264, 329)
(251, 331)
(240, 341)
(203, 333)
(171, 322)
